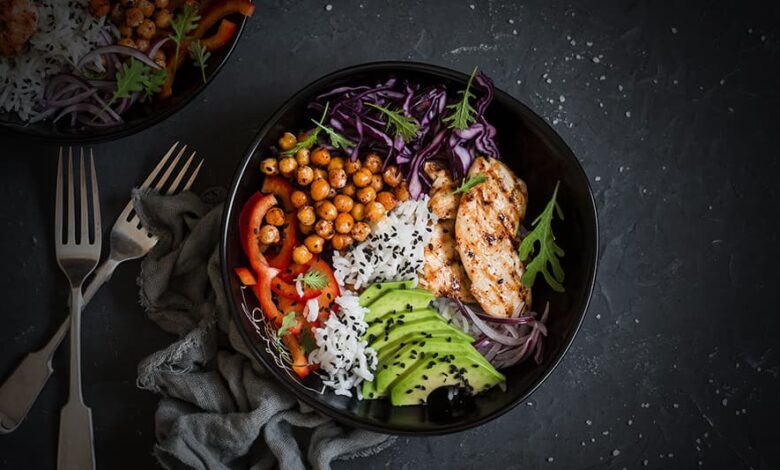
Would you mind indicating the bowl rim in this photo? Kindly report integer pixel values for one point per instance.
(345, 417)
(153, 120)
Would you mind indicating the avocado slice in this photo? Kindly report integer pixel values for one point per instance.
(421, 329)
(374, 291)
(466, 370)
(378, 326)
(437, 349)
(398, 300)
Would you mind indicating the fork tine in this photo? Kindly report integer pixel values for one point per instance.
(192, 178)
(84, 237)
(71, 197)
(181, 174)
(95, 202)
(58, 204)
(169, 170)
(153, 174)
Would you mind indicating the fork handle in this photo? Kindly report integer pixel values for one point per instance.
(75, 450)
(20, 389)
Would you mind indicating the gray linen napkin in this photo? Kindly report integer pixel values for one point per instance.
(220, 409)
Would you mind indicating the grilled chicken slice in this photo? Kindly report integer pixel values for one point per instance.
(489, 215)
(443, 273)
(18, 21)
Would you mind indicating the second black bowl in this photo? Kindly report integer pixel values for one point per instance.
(534, 152)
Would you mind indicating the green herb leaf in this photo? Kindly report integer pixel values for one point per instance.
(404, 126)
(310, 139)
(466, 185)
(288, 321)
(314, 279)
(463, 112)
(200, 55)
(308, 343)
(153, 81)
(182, 24)
(337, 140)
(129, 79)
(545, 259)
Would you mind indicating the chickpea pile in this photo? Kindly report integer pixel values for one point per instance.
(336, 196)
(139, 22)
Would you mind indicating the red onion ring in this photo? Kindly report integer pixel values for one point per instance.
(121, 50)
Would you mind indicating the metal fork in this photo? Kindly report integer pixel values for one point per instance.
(129, 240)
(77, 259)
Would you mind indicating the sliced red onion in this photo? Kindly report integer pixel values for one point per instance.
(156, 47)
(71, 100)
(121, 50)
(94, 110)
(489, 331)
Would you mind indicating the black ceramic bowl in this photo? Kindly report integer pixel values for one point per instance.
(189, 83)
(535, 152)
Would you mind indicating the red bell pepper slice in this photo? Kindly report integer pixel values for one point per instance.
(282, 258)
(251, 235)
(293, 270)
(281, 188)
(330, 292)
(287, 290)
(227, 29)
(245, 276)
(220, 10)
(300, 364)
(243, 220)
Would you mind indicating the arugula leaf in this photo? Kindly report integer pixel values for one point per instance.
(182, 24)
(130, 79)
(337, 140)
(153, 81)
(546, 259)
(288, 321)
(308, 343)
(466, 185)
(200, 55)
(314, 279)
(310, 139)
(463, 112)
(406, 127)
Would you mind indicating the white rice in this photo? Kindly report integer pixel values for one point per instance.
(66, 32)
(342, 355)
(393, 252)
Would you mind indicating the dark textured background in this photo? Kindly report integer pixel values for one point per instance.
(672, 110)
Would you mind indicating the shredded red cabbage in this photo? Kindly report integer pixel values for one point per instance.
(369, 128)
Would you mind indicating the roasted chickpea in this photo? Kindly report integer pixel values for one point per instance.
(337, 178)
(336, 162)
(343, 203)
(127, 42)
(319, 189)
(321, 156)
(332, 193)
(301, 254)
(303, 157)
(375, 211)
(134, 17)
(161, 3)
(304, 175)
(387, 199)
(127, 3)
(275, 216)
(163, 19)
(360, 231)
(366, 195)
(324, 228)
(391, 176)
(320, 174)
(376, 183)
(341, 241)
(159, 58)
(327, 211)
(299, 199)
(306, 229)
(142, 44)
(362, 178)
(401, 192)
(146, 7)
(146, 29)
(287, 166)
(269, 235)
(349, 189)
(125, 31)
(306, 215)
(269, 166)
(373, 162)
(358, 211)
(314, 243)
(344, 223)
(352, 166)
(287, 141)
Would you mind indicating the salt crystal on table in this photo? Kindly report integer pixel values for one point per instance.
(588, 422)
(725, 402)
(550, 459)
(674, 30)
(628, 114)
(328, 7)
(615, 453)
(596, 60)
